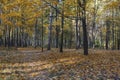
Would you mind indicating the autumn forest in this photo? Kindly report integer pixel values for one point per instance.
(59, 39)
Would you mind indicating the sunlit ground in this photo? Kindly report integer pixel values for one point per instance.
(30, 64)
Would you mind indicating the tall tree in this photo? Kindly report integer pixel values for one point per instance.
(50, 29)
(62, 26)
(84, 26)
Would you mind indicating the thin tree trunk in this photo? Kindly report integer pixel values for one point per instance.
(42, 34)
(113, 41)
(107, 34)
(94, 24)
(35, 34)
(5, 37)
(50, 30)
(85, 38)
(62, 32)
(77, 37)
(57, 36)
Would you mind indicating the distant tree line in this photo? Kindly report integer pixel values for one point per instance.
(60, 24)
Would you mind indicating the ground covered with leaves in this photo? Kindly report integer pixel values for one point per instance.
(25, 64)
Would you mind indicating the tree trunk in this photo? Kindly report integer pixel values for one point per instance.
(94, 24)
(62, 32)
(77, 32)
(85, 39)
(50, 30)
(113, 25)
(35, 34)
(42, 34)
(107, 34)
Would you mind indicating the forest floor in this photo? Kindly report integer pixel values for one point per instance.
(30, 64)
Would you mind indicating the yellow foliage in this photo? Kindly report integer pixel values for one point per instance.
(18, 23)
(14, 14)
(67, 27)
(9, 23)
(112, 5)
(54, 2)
